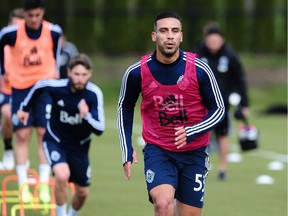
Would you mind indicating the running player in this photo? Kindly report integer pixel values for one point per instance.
(181, 103)
(77, 110)
(8, 162)
(34, 48)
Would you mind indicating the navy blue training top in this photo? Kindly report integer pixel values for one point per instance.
(65, 125)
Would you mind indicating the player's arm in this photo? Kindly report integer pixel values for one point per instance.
(56, 33)
(94, 112)
(239, 78)
(129, 93)
(212, 99)
(7, 37)
(34, 93)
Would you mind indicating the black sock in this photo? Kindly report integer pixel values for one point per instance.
(8, 144)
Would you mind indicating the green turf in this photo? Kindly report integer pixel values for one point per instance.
(112, 195)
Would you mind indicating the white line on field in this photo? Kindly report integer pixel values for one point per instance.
(111, 123)
(271, 155)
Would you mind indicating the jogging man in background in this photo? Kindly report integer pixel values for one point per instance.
(8, 161)
(181, 103)
(34, 47)
(77, 110)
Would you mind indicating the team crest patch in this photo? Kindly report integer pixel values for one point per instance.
(15, 120)
(183, 84)
(2, 97)
(150, 176)
(55, 156)
(89, 172)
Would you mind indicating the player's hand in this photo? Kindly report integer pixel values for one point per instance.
(23, 116)
(181, 137)
(83, 108)
(127, 166)
(3, 79)
(245, 111)
(127, 170)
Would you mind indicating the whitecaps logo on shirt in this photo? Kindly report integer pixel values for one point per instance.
(223, 64)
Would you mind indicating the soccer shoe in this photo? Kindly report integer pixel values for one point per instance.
(8, 160)
(26, 196)
(44, 193)
(222, 175)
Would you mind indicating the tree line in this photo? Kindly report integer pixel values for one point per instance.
(124, 26)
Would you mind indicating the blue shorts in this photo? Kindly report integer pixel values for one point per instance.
(76, 158)
(37, 114)
(186, 172)
(4, 98)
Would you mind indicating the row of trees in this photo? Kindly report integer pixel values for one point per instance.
(124, 26)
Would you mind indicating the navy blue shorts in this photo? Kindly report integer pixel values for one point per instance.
(76, 158)
(4, 99)
(186, 172)
(37, 114)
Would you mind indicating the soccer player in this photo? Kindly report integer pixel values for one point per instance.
(34, 48)
(68, 51)
(230, 76)
(77, 110)
(181, 103)
(8, 162)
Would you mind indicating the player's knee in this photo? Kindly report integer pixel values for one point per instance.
(22, 137)
(163, 205)
(82, 192)
(6, 112)
(62, 178)
(6, 118)
(61, 181)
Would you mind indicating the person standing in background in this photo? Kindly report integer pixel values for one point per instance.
(181, 103)
(68, 51)
(8, 161)
(34, 47)
(230, 76)
(77, 111)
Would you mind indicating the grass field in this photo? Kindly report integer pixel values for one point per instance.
(112, 195)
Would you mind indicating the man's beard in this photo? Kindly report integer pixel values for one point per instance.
(77, 87)
(168, 54)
